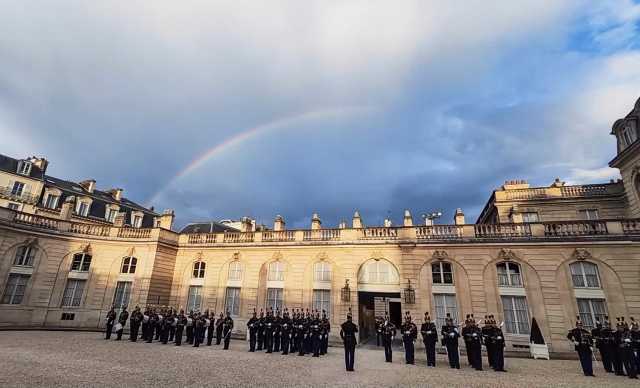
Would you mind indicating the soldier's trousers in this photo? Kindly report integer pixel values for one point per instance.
(324, 347)
(585, 362)
(378, 339)
(490, 355)
(276, 343)
(218, 336)
(498, 358)
(629, 362)
(252, 340)
(605, 355)
(164, 335)
(616, 360)
(179, 335)
(260, 340)
(196, 337)
(430, 348)
(157, 328)
(108, 331)
(189, 334)
(227, 338)
(409, 350)
(388, 353)
(149, 334)
(300, 345)
(349, 354)
(452, 354)
(209, 335)
(268, 342)
(293, 344)
(133, 334)
(475, 352)
(172, 333)
(315, 342)
(285, 343)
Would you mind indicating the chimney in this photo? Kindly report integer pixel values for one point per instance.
(41, 163)
(357, 221)
(165, 221)
(387, 223)
(246, 224)
(278, 223)
(89, 185)
(459, 217)
(342, 225)
(117, 194)
(68, 207)
(315, 222)
(408, 221)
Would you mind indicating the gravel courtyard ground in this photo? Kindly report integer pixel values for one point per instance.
(48, 358)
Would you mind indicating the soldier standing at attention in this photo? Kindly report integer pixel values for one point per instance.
(379, 330)
(227, 327)
(285, 332)
(348, 332)
(190, 326)
(583, 341)
(450, 337)
(165, 325)
(180, 324)
(219, 328)
(388, 335)
(486, 334)
(326, 329)
(268, 331)
(198, 324)
(473, 342)
(497, 344)
(122, 320)
(429, 338)
(211, 327)
(111, 318)
(607, 345)
(174, 324)
(252, 325)
(134, 324)
(150, 326)
(315, 334)
(409, 335)
(625, 348)
(277, 321)
(260, 332)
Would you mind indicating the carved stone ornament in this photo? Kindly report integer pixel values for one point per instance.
(85, 248)
(236, 256)
(131, 252)
(377, 255)
(277, 256)
(33, 241)
(507, 255)
(322, 256)
(440, 255)
(582, 254)
(199, 256)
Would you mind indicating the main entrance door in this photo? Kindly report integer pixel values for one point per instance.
(376, 304)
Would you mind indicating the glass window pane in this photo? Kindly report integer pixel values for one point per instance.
(232, 301)
(194, 299)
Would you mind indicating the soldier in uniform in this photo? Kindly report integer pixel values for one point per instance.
(227, 327)
(260, 332)
(624, 340)
(429, 333)
(268, 331)
(388, 335)
(326, 329)
(285, 332)
(473, 342)
(635, 341)
(198, 327)
(314, 328)
(190, 326)
(409, 335)
(158, 323)
(277, 321)
(219, 328)
(601, 336)
(151, 324)
(111, 318)
(180, 324)
(165, 326)
(211, 327)
(301, 332)
(497, 344)
(583, 342)
(252, 325)
(450, 337)
(294, 331)
(134, 324)
(486, 331)
(174, 324)
(379, 323)
(122, 320)
(348, 332)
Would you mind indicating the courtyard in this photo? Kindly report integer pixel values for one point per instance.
(51, 358)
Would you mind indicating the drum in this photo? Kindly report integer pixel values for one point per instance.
(207, 322)
(145, 318)
(175, 322)
(117, 327)
(189, 322)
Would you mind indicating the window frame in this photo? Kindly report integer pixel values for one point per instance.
(29, 251)
(527, 215)
(111, 215)
(441, 273)
(232, 301)
(136, 220)
(131, 263)
(48, 204)
(322, 271)
(509, 273)
(73, 300)
(234, 272)
(194, 299)
(18, 189)
(82, 208)
(321, 304)
(199, 269)
(272, 302)
(521, 327)
(12, 293)
(590, 317)
(586, 214)
(276, 275)
(453, 310)
(583, 275)
(24, 167)
(82, 263)
(125, 294)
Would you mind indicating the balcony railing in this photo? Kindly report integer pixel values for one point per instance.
(380, 233)
(277, 236)
(575, 228)
(321, 235)
(134, 232)
(203, 238)
(7, 193)
(439, 232)
(238, 237)
(502, 230)
(631, 226)
(34, 220)
(90, 229)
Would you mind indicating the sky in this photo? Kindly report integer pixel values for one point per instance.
(225, 109)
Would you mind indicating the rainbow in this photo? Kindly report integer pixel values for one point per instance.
(251, 133)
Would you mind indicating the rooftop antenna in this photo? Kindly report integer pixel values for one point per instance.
(429, 218)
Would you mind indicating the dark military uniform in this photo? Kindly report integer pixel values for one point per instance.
(173, 326)
(277, 321)
(450, 337)
(472, 336)
(583, 342)
(430, 339)
(252, 325)
(180, 324)
(379, 323)
(285, 332)
(111, 318)
(409, 335)
(122, 320)
(211, 328)
(348, 332)
(151, 324)
(134, 324)
(496, 338)
(190, 327)
(624, 341)
(325, 330)
(315, 329)
(268, 332)
(219, 328)
(227, 328)
(388, 334)
(198, 330)
(260, 333)
(301, 333)
(605, 342)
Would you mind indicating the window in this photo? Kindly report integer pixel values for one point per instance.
(24, 256)
(442, 273)
(322, 272)
(111, 215)
(232, 301)
(235, 270)
(73, 293)
(445, 304)
(51, 202)
(14, 291)
(591, 310)
(198, 269)
(24, 167)
(589, 214)
(530, 217)
(81, 262)
(129, 265)
(509, 275)
(82, 209)
(516, 314)
(14, 206)
(274, 298)
(121, 297)
(136, 222)
(322, 300)
(584, 275)
(628, 136)
(194, 301)
(17, 189)
(276, 271)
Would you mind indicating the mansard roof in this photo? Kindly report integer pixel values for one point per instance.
(10, 165)
(207, 227)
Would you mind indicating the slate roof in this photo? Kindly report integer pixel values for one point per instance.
(10, 165)
(207, 227)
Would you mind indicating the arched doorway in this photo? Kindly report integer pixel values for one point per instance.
(378, 293)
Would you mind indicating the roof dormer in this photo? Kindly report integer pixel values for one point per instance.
(24, 167)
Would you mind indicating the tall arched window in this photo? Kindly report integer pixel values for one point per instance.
(24, 256)
(509, 274)
(276, 271)
(442, 272)
(129, 265)
(378, 271)
(584, 275)
(198, 269)
(235, 270)
(81, 262)
(322, 271)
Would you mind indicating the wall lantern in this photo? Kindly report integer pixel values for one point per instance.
(346, 291)
(409, 294)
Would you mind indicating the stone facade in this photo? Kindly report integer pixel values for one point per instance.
(579, 254)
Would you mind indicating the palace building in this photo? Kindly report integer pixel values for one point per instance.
(69, 251)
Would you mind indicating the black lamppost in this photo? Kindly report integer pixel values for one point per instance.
(346, 291)
(409, 294)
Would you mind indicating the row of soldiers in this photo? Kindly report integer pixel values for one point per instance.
(298, 332)
(167, 325)
(474, 337)
(619, 348)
